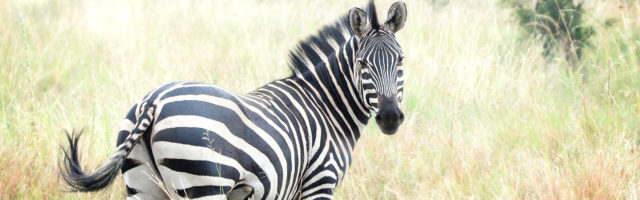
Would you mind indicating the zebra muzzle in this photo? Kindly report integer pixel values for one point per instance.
(389, 116)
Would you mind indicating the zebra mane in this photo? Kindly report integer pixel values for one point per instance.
(338, 32)
(373, 16)
(324, 40)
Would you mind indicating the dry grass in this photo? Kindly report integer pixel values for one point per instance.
(487, 116)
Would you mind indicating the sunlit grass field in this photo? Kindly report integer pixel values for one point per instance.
(487, 117)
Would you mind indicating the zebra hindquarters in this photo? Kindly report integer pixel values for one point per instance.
(202, 147)
(192, 164)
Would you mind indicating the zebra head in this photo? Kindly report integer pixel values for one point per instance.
(378, 63)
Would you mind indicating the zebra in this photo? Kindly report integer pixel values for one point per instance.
(292, 138)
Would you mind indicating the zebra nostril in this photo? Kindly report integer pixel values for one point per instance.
(389, 113)
(389, 119)
(396, 118)
(390, 116)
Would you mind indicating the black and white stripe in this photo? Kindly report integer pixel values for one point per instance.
(289, 139)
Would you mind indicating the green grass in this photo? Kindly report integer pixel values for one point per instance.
(487, 116)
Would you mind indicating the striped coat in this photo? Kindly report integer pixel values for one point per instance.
(289, 139)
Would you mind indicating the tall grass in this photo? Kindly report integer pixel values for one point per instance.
(487, 116)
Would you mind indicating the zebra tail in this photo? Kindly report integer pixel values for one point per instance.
(80, 181)
(102, 177)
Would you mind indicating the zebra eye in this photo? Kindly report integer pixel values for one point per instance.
(363, 64)
(400, 61)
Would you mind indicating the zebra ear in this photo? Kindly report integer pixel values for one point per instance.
(358, 22)
(397, 16)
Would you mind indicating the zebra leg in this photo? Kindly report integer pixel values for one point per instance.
(241, 192)
(139, 176)
(141, 179)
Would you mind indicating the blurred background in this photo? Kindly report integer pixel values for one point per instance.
(504, 99)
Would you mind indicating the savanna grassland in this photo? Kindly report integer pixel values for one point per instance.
(487, 116)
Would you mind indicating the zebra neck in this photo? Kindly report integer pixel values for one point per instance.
(333, 85)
